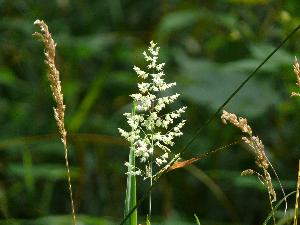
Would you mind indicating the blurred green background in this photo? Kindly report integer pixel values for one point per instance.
(209, 48)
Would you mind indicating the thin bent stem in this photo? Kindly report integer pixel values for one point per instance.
(281, 187)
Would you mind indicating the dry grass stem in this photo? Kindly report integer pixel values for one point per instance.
(59, 110)
(181, 164)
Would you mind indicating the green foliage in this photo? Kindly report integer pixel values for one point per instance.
(60, 220)
(178, 21)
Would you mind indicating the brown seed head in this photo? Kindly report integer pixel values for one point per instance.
(257, 147)
(247, 172)
(53, 75)
(238, 122)
(297, 72)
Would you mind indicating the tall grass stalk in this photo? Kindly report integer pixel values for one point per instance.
(59, 110)
(130, 199)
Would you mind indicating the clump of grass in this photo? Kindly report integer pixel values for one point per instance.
(261, 159)
(55, 85)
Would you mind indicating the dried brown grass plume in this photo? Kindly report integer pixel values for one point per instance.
(55, 84)
(261, 159)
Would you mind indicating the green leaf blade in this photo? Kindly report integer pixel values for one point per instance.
(197, 219)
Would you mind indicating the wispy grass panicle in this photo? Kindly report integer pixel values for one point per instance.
(55, 84)
(261, 159)
(256, 145)
(152, 131)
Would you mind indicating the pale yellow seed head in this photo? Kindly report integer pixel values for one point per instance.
(297, 73)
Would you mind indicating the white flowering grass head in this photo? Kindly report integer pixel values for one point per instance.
(152, 129)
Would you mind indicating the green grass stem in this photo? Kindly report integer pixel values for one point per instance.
(130, 199)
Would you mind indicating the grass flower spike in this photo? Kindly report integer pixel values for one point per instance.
(152, 130)
(59, 110)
